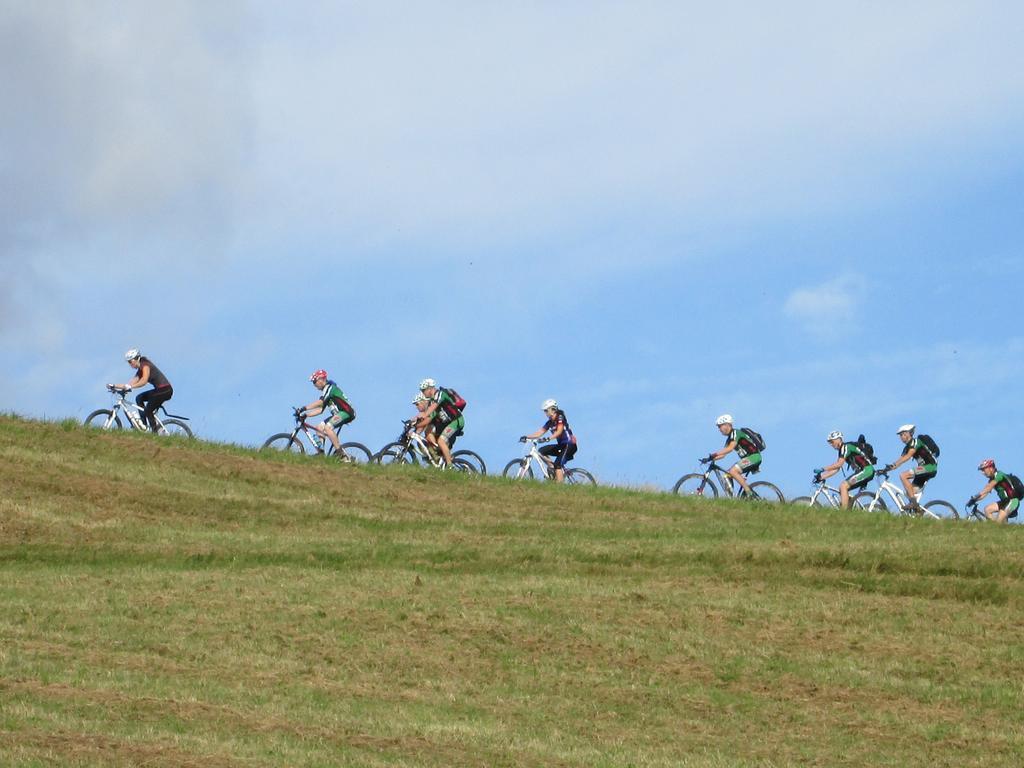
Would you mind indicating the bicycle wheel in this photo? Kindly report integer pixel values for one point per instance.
(176, 428)
(394, 453)
(579, 476)
(518, 469)
(695, 485)
(473, 458)
(462, 465)
(101, 419)
(357, 452)
(941, 510)
(768, 492)
(801, 501)
(867, 500)
(283, 441)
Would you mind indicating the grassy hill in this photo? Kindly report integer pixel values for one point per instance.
(172, 604)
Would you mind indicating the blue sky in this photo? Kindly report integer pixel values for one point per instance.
(808, 216)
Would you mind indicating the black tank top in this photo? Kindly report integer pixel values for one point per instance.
(156, 376)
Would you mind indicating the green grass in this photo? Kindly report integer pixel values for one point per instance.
(173, 604)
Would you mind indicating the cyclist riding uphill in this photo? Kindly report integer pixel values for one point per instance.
(331, 399)
(444, 411)
(1009, 488)
(147, 373)
(860, 462)
(925, 451)
(565, 441)
(748, 445)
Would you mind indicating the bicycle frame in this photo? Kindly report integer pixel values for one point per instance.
(896, 495)
(534, 455)
(417, 444)
(319, 442)
(832, 495)
(133, 413)
(725, 480)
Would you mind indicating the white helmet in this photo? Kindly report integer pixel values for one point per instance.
(725, 418)
(427, 383)
(420, 398)
(132, 354)
(906, 428)
(549, 403)
(834, 435)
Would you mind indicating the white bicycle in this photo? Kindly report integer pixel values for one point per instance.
(825, 495)
(900, 504)
(109, 418)
(522, 468)
(412, 448)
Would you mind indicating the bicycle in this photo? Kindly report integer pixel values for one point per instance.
(355, 453)
(901, 505)
(109, 418)
(972, 513)
(412, 448)
(825, 495)
(522, 468)
(701, 484)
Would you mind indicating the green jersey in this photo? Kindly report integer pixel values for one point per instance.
(745, 446)
(855, 458)
(1004, 486)
(334, 399)
(446, 410)
(923, 456)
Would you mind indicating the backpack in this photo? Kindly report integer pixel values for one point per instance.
(341, 403)
(1018, 486)
(867, 449)
(755, 439)
(930, 444)
(458, 401)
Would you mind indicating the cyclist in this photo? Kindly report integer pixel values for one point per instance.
(858, 461)
(1009, 492)
(331, 399)
(443, 413)
(565, 441)
(927, 467)
(746, 449)
(147, 373)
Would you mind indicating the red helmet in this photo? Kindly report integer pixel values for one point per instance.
(318, 374)
(987, 463)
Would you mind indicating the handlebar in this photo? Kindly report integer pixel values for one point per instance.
(118, 390)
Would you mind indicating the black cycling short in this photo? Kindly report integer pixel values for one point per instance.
(561, 453)
(918, 479)
(150, 400)
(1013, 503)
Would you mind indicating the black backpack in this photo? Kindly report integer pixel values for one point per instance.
(930, 444)
(755, 439)
(1018, 486)
(867, 449)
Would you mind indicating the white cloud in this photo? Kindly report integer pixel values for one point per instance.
(825, 309)
(184, 134)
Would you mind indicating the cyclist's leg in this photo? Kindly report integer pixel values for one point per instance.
(1008, 509)
(549, 453)
(742, 468)
(332, 426)
(562, 454)
(446, 434)
(150, 401)
(907, 478)
(915, 480)
(855, 483)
